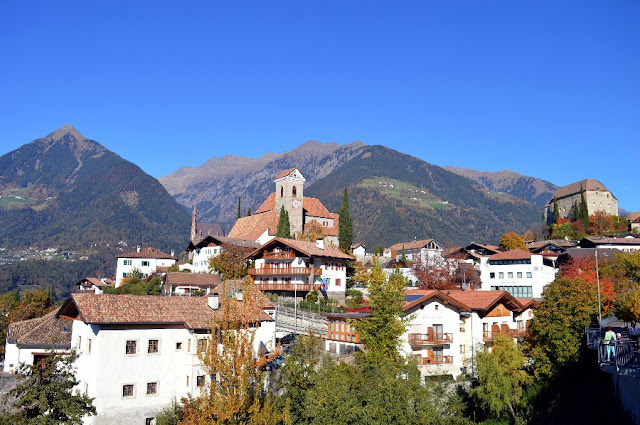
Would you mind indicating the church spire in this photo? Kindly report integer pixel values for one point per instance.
(194, 222)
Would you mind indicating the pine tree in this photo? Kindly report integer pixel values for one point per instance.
(584, 210)
(239, 210)
(345, 226)
(248, 212)
(556, 210)
(284, 228)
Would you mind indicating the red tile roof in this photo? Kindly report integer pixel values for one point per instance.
(147, 253)
(46, 330)
(251, 227)
(307, 248)
(285, 173)
(432, 293)
(314, 208)
(410, 245)
(268, 204)
(514, 254)
(105, 309)
(484, 300)
(193, 279)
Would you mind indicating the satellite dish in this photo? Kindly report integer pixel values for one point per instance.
(464, 286)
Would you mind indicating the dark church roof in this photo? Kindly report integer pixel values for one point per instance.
(209, 229)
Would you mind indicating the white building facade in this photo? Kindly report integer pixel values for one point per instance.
(145, 261)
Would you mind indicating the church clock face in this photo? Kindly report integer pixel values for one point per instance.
(295, 203)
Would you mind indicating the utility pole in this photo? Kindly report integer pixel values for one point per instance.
(598, 280)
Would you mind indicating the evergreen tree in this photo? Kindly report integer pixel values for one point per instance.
(556, 210)
(239, 210)
(248, 212)
(584, 210)
(284, 228)
(345, 226)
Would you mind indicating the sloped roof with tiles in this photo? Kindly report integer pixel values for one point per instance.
(574, 188)
(147, 253)
(45, 330)
(108, 309)
(251, 227)
(410, 245)
(314, 208)
(222, 240)
(418, 296)
(307, 248)
(285, 173)
(514, 254)
(485, 300)
(193, 279)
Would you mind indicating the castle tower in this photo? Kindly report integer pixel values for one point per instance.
(290, 193)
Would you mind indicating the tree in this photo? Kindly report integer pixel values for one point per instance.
(556, 210)
(284, 228)
(600, 223)
(445, 274)
(501, 378)
(627, 305)
(345, 224)
(556, 330)
(380, 332)
(248, 212)
(229, 263)
(234, 394)
(512, 240)
(45, 394)
(583, 210)
(312, 232)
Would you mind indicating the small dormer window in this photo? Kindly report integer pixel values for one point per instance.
(294, 192)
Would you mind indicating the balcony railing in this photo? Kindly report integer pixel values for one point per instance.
(302, 287)
(510, 333)
(426, 361)
(286, 271)
(279, 255)
(420, 340)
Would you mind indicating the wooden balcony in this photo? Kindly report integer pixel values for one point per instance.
(300, 287)
(286, 271)
(279, 255)
(422, 340)
(509, 333)
(428, 361)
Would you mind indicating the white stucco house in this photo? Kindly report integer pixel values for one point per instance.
(428, 251)
(32, 341)
(210, 246)
(519, 272)
(139, 352)
(292, 267)
(146, 261)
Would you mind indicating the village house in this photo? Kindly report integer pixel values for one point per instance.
(31, 341)
(303, 212)
(145, 261)
(427, 250)
(210, 246)
(137, 353)
(550, 248)
(93, 284)
(359, 252)
(180, 283)
(519, 272)
(290, 267)
(624, 244)
(568, 198)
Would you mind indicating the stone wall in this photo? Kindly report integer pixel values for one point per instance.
(627, 390)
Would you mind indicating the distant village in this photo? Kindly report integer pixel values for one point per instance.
(138, 352)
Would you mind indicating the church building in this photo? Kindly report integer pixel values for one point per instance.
(303, 211)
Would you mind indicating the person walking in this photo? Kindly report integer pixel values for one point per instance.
(610, 342)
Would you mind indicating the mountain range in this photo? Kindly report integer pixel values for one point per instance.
(68, 191)
(394, 196)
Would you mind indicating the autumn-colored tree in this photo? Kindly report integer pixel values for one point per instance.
(512, 240)
(234, 394)
(501, 379)
(585, 269)
(444, 274)
(556, 330)
(529, 236)
(629, 265)
(561, 231)
(312, 232)
(600, 223)
(627, 305)
(578, 229)
(230, 263)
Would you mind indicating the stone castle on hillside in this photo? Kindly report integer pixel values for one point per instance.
(597, 196)
(263, 224)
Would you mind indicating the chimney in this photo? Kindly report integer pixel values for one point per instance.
(138, 248)
(320, 243)
(213, 301)
(239, 296)
(173, 253)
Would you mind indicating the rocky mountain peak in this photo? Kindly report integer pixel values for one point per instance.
(67, 129)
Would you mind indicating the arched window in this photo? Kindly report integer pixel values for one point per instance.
(281, 192)
(294, 191)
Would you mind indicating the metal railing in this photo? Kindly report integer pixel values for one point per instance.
(419, 340)
(285, 271)
(622, 356)
(302, 287)
(436, 360)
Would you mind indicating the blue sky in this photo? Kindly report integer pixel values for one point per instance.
(548, 89)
